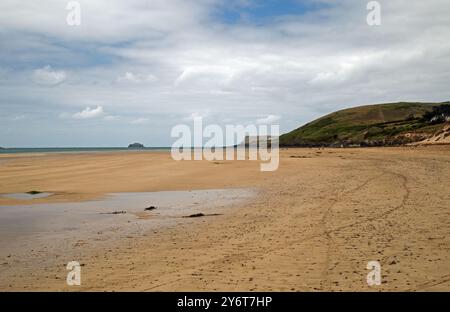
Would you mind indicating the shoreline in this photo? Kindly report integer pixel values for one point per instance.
(315, 224)
(50, 151)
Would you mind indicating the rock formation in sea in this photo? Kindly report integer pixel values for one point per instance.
(136, 145)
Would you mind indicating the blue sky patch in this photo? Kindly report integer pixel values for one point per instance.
(264, 11)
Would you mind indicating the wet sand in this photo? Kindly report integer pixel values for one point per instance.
(26, 230)
(315, 224)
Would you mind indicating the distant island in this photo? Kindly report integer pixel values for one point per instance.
(392, 124)
(136, 145)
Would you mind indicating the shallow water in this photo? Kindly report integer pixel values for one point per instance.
(26, 196)
(58, 226)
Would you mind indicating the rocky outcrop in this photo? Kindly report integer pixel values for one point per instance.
(440, 137)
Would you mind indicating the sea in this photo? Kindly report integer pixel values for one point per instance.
(78, 149)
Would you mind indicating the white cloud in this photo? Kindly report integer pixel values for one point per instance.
(268, 120)
(18, 117)
(111, 118)
(140, 121)
(210, 73)
(195, 115)
(177, 57)
(107, 21)
(129, 77)
(48, 76)
(89, 113)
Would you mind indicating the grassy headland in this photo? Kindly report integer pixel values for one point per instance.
(372, 125)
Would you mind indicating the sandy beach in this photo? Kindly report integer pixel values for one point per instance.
(312, 225)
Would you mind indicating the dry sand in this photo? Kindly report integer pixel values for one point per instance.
(316, 223)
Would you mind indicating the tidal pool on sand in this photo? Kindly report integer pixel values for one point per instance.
(26, 196)
(38, 231)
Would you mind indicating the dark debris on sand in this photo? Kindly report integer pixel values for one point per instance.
(199, 215)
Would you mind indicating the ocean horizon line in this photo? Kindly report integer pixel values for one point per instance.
(12, 150)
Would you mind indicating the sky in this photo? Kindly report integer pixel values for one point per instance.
(132, 70)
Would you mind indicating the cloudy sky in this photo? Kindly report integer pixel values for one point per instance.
(134, 69)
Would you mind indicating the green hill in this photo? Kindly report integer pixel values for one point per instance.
(372, 125)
